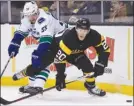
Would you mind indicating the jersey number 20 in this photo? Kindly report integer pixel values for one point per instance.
(60, 56)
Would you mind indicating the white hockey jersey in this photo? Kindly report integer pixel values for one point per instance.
(45, 25)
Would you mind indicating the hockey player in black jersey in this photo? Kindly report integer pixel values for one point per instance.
(72, 47)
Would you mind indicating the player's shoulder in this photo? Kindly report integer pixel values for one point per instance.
(69, 36)
(72, 31)
(69, 33)
(25, 21)
(94, 32)
(94, 37)
(43, 18)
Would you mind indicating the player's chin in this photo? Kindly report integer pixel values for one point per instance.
(33, 21)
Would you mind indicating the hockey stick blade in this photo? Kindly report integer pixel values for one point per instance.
(5, 102)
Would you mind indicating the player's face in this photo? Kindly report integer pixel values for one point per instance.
(82, 33)
(33, 18)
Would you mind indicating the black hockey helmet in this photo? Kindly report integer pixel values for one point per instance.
(83, 23)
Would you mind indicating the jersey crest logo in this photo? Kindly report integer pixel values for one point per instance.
(41, 20)
(76, 51)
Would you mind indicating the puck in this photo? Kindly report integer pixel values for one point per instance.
(128, 100)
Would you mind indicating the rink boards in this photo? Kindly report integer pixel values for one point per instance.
(118, 75)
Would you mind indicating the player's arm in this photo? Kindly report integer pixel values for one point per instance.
(45, 40)
(103, 52)
(21, 32)
(19, 35)
(63, 52)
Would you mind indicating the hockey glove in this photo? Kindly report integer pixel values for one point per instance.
(99, 69)
(13, 48)
(15, 44)
(60, 81)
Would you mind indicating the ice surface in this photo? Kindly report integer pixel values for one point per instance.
(66, 97)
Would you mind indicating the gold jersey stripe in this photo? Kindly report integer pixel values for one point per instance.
(63, 61)
(102, 38)
(90, 79)
(108, 50)
(65, 48)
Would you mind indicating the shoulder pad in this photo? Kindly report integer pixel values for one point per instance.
(25, 21)
(41, 20)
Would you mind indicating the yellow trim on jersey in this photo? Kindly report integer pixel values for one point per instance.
(63, 61)
(108, 50)
(102, 38)
(98, 45)
(90, 79)
(65, 48)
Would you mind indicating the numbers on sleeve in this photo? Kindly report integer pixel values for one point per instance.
(60, 56)
(105, 46)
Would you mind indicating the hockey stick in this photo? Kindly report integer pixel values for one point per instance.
(5, 67)
(5, 102)
(12, 54)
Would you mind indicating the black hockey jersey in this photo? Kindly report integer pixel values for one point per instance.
(70, 44)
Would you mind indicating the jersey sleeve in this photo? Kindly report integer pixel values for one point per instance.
(64, 50)
(21, 32)
(24, 27)
(102, 49)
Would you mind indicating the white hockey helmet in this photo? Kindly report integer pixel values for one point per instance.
(30, 8)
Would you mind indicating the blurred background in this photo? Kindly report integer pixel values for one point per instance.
(100, 12)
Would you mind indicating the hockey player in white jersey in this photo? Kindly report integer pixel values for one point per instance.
(42, 26)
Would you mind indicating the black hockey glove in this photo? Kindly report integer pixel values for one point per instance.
(98, 69)
(60, 81)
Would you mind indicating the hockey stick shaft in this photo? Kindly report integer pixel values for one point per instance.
(5, 102)
(6, 64)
